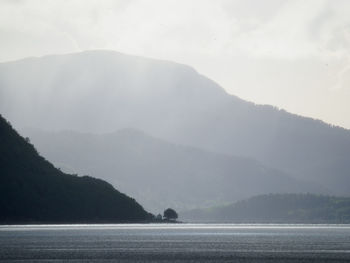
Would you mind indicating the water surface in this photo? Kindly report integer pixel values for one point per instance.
(175, 243)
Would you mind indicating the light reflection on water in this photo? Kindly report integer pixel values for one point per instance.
(176, 243)
(172, 226)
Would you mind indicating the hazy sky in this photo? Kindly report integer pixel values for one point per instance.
(291, 54)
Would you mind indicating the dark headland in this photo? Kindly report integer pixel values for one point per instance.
(32, 190)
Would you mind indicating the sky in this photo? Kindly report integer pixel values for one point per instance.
(291, 54)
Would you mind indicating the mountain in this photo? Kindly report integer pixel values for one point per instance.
(103, 91)
(277, 208)
(161, 174)
(33, 191)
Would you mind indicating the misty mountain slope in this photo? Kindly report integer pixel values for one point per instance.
(32, 190)
(161, 174)
(277, 208)
(102, 91)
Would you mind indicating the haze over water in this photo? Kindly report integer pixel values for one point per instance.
(175, 243)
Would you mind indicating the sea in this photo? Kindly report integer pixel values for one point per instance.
(175, 243)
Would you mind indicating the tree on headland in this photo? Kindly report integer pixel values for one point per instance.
(170, 214)
(159, 217)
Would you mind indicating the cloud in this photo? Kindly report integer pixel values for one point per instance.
(300, 29)
(281, 29)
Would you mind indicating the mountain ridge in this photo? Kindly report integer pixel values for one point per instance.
(158, 172)
(113, 52)
(277, 208)
(99, 92)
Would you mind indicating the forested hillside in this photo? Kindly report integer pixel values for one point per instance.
(278, 208)
(32, 190)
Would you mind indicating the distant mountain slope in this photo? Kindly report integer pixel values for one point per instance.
(32, 190)
(277, 208)
(161, 174)
(102, 91)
